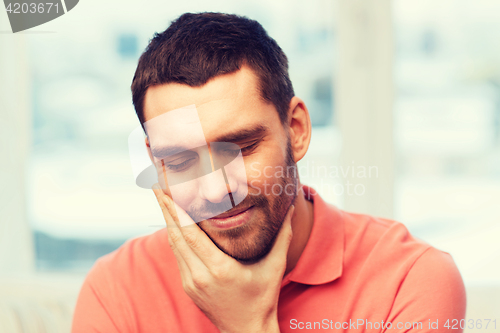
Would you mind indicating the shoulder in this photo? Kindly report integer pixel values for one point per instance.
(384, 240)
(435, 273)
(123, 286)
(409, 273)
(389, 243)
(433, 290)
(132, 263)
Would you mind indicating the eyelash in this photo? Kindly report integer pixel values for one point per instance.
(249, 148)
(244, 150)
(176, 167)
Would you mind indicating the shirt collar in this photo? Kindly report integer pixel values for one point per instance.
(322, 259)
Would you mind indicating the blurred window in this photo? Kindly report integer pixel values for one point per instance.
(447, 125)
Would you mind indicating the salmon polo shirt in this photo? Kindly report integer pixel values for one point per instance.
(357, 273)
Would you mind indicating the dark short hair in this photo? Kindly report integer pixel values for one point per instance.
(198, 47)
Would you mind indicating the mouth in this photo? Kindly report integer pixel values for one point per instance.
(231, 219)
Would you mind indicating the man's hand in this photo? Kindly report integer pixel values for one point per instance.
(236, 297)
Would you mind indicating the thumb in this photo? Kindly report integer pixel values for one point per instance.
(280, 249)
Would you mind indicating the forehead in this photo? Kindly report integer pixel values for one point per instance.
(227, 102)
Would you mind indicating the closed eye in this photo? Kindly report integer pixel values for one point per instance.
(244, 150)
(180, 166)
(250, 148)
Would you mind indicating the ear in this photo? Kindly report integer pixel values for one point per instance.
(300, 128)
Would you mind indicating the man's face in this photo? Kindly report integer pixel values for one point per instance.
(231, 110)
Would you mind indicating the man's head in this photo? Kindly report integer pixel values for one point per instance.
(198, 47)
(237, 78)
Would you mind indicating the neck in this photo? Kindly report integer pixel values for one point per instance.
(302, 222)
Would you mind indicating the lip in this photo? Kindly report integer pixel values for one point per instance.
(231, 219)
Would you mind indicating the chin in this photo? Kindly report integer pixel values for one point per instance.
(251, 258)
(243, 243)
(245, 254)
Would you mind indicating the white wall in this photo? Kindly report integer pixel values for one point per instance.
(16, 246)
(364, 90)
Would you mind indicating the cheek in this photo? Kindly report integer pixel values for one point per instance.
(261, 176)
(185, 195)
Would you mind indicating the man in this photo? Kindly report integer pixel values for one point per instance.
(267, 255)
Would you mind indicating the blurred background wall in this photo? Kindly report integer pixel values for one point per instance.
(404, 99)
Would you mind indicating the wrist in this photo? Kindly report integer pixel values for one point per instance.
(273, 328)
(269, 325)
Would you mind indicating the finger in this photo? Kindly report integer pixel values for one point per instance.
(279, 250)
(179, 216)
(176, 238)
(166, 213)
(181, 263)
(198, 240)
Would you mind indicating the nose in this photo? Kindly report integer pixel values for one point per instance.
(213, 187)
(236, 178)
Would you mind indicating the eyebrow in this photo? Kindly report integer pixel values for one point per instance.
(244, 135)
(163, 152)
(240, 136)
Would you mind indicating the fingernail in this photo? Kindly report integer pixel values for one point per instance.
(156, 187)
